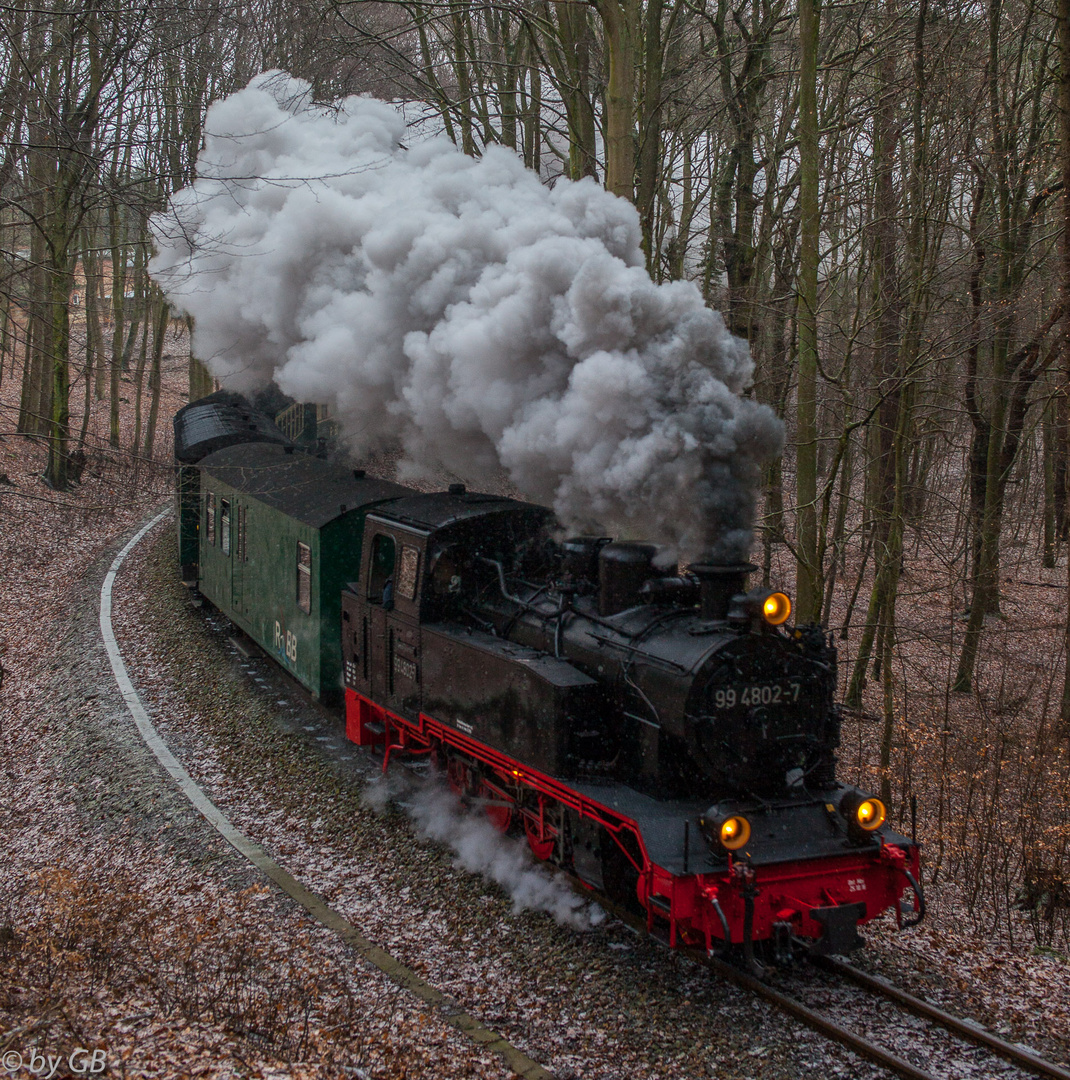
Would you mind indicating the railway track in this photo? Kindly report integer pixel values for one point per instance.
(968, 1031)
(951, 1063)
(954, 1038)
(945, 1037)
(947, 1044)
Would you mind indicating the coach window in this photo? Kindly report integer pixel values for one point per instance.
(242, 547)
(304, 578)
(381, 572)
(209, 516)
(224, 526)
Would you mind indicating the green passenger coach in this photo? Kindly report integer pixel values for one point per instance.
(270, 514)
(202, 427)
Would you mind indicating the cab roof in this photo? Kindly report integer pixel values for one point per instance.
(444, 508)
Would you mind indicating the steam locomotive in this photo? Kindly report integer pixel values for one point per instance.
(667, 739)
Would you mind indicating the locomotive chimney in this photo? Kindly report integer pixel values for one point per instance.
(718, 583)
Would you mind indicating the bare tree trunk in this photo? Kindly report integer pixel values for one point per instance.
(118, 279)
(139, 382)
(620, 20)
(1063, 18)
(576, 44)
(1048, 452)
(650, 141)
(886, 503)
(5, 332)
(839, 529)
(93, 330)
(159, 336)
(1062, 450)
(532, 118)
(808, 586)
(32, 376)
(59, 428)
(36, 400)
(462, 73)
(87, 391)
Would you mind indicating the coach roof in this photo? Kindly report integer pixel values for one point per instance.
(306, 488)
(221, 419)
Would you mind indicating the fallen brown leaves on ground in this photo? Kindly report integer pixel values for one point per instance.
(109, 940)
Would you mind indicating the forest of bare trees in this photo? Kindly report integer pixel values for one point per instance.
(874, 195)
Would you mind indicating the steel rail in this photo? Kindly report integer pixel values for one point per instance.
(963, 1028)
(818, 1021)
(813, 1019)
(840, 1034)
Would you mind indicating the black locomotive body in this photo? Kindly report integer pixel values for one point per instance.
(663, 737)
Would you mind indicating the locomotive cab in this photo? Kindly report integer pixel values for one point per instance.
(417, 649)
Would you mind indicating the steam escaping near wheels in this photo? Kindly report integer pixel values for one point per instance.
(458, 306)
(481, 849)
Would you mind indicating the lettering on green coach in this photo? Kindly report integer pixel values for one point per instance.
(285, 643)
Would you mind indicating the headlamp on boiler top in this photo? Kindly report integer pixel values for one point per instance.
(776, 608)
(760, 607)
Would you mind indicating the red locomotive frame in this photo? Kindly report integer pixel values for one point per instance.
(703, 909)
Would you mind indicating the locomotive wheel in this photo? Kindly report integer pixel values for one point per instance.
(501, 817)
(459, 777)
(467, 784)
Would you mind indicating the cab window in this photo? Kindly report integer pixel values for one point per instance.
(381, 569)
(408, 572)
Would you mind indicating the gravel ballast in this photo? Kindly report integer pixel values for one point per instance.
(604, 1003)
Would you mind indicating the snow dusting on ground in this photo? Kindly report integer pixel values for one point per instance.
(127, 927)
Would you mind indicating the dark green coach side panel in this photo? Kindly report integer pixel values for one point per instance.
(251, 581)
(291, 539)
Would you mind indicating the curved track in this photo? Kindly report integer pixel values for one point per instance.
(1025, 1059)
(815, 1018)
(448, 1009)
(942, 1027)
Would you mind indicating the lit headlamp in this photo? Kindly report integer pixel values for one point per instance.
(731, 831)
(776, 608)
(864, 813)
(772, 608)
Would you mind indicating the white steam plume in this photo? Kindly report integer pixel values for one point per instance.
(480, 849)
(459, 307)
